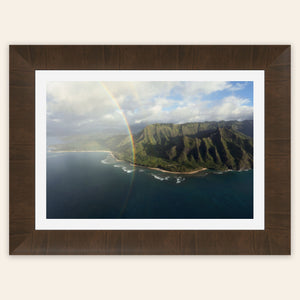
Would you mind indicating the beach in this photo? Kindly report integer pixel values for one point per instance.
(170, 172)
(84, 151)
(134, 165)
(62, 151)
(179, 173)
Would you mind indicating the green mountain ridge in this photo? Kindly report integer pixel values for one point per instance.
(191, 146)
(183, 147)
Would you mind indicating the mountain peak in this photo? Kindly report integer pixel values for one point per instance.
(189, 146)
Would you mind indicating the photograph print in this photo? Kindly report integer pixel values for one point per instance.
(149, 149)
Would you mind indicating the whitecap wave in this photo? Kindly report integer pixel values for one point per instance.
(245, 170)
(179, 179)
(109, 159)
(160, 178)
(127, 170)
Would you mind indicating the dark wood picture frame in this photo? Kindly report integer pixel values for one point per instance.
(274, 60)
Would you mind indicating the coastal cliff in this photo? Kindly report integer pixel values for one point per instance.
(180, 147)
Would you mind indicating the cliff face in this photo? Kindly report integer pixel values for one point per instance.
(178, 147)
(187, 147)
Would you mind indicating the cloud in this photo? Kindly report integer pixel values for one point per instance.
(238, 86)
(91, 107)
(232, 108)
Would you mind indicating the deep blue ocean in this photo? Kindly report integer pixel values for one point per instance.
(94, 185)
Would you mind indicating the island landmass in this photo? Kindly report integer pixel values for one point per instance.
(176, 148)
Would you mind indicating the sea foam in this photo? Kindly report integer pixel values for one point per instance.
(179, 179)
(108, 160)
(127, 170)
(160, 178)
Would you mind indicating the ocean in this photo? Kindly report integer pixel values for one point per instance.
(89, 185)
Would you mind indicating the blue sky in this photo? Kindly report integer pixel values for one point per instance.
(240, 89)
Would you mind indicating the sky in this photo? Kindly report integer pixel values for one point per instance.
(75, 108)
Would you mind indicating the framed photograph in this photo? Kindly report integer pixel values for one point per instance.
(150, 149)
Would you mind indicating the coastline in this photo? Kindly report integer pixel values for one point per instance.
(134, 165)
(91, 151)
(178, 173)
(62, 151)
(170, 172)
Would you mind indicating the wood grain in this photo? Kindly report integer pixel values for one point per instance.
(275, 60)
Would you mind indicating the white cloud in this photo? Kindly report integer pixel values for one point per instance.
(239, 86)
(232, 108)
(82, 107)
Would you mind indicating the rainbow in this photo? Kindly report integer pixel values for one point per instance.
(110, 94)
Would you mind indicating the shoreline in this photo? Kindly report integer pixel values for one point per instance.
(134, 165)
(62, 151)
(171, 172)
(178, 173)
(83, 151)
